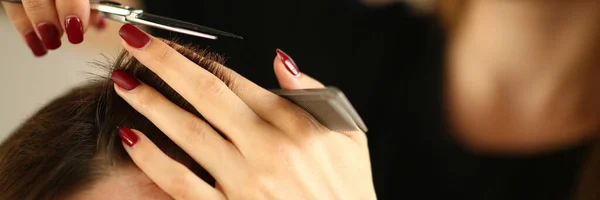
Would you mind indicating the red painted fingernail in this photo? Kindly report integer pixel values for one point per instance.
(101, 24)
(74, 29)
(35, 44)
(128, 136)
(288, 62)
(133, 36)
(124, 80)
(49, 34)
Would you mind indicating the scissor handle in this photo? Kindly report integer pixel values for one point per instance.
(128, 15)
(112, 4)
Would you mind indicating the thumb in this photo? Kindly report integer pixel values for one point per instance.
(289, 76)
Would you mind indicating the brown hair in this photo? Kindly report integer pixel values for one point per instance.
(72, 142)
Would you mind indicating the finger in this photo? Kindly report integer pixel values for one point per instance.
(16, 14)
(171, 176)
(219, 157)
(262, 101)
(74, 16)
(43, 16)
(289, 76)
(207, 93)
(97, 20)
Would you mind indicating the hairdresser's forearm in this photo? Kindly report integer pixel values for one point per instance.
(523, 75)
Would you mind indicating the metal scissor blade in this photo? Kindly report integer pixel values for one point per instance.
(179, 26)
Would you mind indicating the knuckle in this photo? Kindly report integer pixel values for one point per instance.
(263, 183)
(141, 158)
(195, 132)
(257, 186)
(178, 184)
(35, 6)
(303, 122)
(213, 86)
(285, 151)
(163, 54)
(147, 98)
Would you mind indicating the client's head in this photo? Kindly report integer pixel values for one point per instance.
(70, 148)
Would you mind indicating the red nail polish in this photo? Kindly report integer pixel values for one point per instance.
(133, 36)
(101, 24)
(124, 80)
(49, 34)
(74, 29)
(35, 44)
(288, 62)
(128, 136)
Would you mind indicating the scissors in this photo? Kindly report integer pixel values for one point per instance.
(328, 105)
(125, 14)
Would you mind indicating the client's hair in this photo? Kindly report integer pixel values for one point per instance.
(72, 142)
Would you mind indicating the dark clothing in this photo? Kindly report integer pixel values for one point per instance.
(389, 64)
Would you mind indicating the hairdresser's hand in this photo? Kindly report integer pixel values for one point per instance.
(273, 150)
(42, 23)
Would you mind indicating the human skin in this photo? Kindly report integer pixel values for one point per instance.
(522, 75)
(285, 154)
(126, 183)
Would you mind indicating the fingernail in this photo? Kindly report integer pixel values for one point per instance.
(288, 62)
(101, 24)
(35, 44)
(74, 29)
(128, 136)
(124, 80)
(49, 34)
(133, 36)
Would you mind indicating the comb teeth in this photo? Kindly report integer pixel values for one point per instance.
(329, 115)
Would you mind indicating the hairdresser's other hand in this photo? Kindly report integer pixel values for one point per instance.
(273, 150)
(42, 23)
